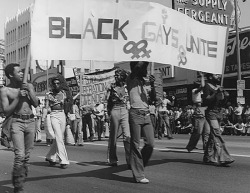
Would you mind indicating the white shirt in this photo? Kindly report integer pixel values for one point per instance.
(100, 109)
(238, 110)
(196, 97)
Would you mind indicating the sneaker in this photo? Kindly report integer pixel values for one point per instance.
(143, 181)
(63, 166)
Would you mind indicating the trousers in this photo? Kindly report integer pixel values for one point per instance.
(38, 135)
(22, 134)
(164, 120)
(201, 128)
(57, 149)
(119, 118)
(216, 151)
(77, 131)
(140, 124)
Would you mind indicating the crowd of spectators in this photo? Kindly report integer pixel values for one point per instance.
(235, 120)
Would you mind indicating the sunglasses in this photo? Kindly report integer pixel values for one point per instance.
(56, 83)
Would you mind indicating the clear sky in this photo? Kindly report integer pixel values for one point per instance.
(8, 8)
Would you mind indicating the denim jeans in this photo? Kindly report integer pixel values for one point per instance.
(140, 124)
(216, 150)
(164, 120)
(22, 134)
(77, 131)
(201, 127)
(38, 135)
(119, 119)
(57, 149)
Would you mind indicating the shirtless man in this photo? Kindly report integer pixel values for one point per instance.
(16, 99)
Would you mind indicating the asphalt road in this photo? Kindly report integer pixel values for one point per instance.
(171, 170)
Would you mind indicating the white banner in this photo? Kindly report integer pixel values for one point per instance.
(104, 30)
(94, 87)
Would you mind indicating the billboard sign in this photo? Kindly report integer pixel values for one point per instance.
(214, 12)
(231, 54)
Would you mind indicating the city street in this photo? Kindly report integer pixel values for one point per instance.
(171, 170)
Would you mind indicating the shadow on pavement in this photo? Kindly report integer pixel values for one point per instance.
(5, 189)
(107, 173)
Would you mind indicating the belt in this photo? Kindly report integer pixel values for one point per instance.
(143, 112)
(24, 117)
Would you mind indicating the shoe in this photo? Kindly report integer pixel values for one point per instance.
(39, 140)
(210, 163)
(80, 144)
(225, 164)
(18, 190)
(143, 181)
(170, 138)
(113, 164)
(63, 166)
(159, 137)
(51, 163)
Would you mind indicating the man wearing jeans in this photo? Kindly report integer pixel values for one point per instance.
(17, 99)
(139, 119)
(201, 126)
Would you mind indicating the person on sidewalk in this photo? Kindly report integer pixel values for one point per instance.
(99, 118)
(77, 123)
(201, 126)
(55, 101)
(117, 107)
(215, 98)
(39, 112)
(139, 119)
(164, 117)
(17, 100)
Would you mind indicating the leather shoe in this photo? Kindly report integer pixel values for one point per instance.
(63, 166)
(51, 163)
(113, 164)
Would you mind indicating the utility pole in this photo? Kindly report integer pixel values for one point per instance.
(237, 39)
(240, 83)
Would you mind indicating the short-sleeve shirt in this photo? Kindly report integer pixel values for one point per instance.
(55, 99)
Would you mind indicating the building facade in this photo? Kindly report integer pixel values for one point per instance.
(17, 38)
(2, 61)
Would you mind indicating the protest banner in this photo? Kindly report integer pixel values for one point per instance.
(104, 30)
(94, 86)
